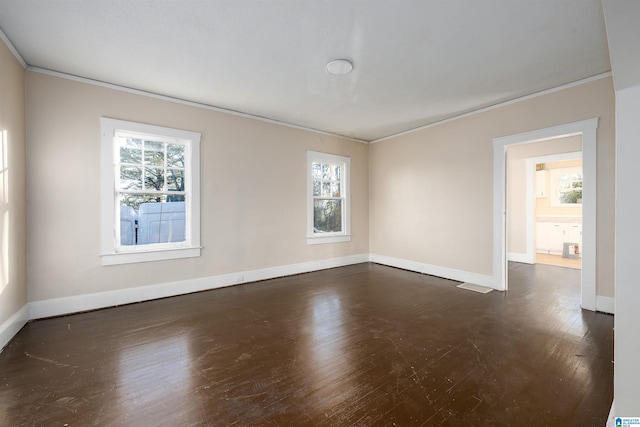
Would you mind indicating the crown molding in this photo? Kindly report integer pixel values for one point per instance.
(13, 49)
(185, 102)
(495, 106)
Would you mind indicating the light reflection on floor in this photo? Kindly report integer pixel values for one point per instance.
(330, 362)
(167, 360)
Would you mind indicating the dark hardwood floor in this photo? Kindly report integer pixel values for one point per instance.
(363, 345)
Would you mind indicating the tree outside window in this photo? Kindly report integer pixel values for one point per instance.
(328, 198)
(150, 192)
(566, 186)
(327, 201)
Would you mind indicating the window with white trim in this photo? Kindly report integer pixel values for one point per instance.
(328, 203)
(566, 186)
(150, 192)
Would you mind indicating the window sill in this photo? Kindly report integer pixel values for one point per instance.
(147, 256)
(318, 240)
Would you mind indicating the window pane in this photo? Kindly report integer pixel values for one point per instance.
(573, 196)
(326, 189)
(327, 216)
(564, 185)
(128, 225)
(175, 156)
(326, 172)
(316, 170)
(154, 179)
(175, 180)
(161, 223)
(335, 172)
(317, 185)
(176, 198)
(149, 218)
(335, 189)
(569, 188)
(153, 153)
(129, 207)
(135, 200)
(130, 178)
(130, 151)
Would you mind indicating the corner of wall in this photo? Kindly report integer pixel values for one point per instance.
(12, 325)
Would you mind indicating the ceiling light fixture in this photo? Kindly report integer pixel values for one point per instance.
(339, 67)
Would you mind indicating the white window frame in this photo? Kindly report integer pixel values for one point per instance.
(554, 180)
(112, 252)
(313, 237)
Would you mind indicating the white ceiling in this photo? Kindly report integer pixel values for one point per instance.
(415, 62)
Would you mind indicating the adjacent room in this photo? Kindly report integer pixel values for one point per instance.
(544, 181)
(318, 213)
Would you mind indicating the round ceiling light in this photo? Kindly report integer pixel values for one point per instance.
(339, 66)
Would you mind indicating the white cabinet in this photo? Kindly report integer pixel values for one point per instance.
(551, 236)
(543, 230)
(541, 183)
(573, 233)
(556, 238)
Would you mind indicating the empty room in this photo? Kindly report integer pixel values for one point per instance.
(306, 213)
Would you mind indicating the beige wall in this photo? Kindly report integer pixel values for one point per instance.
(13, 284)
(517, 186)
(426, 196)
(431, 191)
(253, 190)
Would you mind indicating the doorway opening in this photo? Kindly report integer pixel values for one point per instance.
(558, 211)
(544, 202)
(586, 130)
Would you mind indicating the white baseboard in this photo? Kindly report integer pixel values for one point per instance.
(611, 421)
(605, 304)
(524, 258)
(13, 325)
(78, 303)
(434, 270)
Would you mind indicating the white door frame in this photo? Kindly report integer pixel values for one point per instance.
(587, 129)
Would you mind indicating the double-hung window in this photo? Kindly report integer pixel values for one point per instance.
(328, 204)
(566, 187)
(150, 193)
